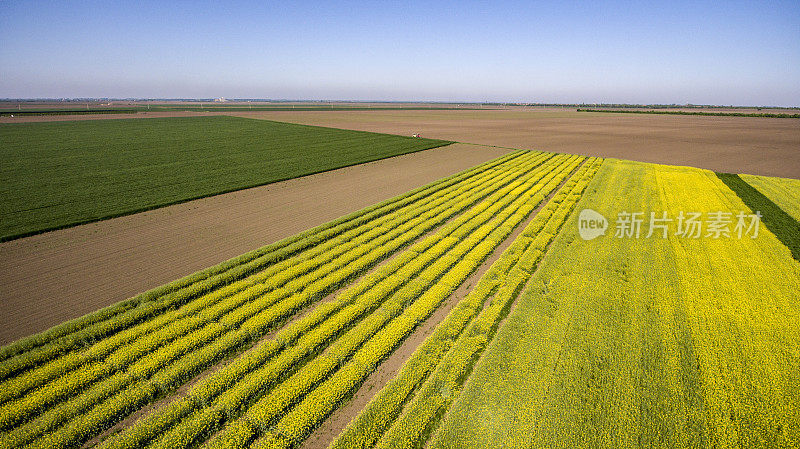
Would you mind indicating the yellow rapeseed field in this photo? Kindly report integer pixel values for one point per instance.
(644, 342)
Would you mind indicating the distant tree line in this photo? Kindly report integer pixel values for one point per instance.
(718, 114)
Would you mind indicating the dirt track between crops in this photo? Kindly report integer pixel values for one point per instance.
(52, 277)
(754, 145)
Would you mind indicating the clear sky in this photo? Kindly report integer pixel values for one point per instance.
(727, 52)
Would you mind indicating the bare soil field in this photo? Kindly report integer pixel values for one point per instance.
(754, 145)
(52, 277)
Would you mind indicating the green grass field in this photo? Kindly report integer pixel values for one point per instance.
(61, 174)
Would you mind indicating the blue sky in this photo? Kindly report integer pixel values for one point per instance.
(741, 53)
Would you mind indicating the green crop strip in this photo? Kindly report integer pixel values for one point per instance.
(783, 225)
(61, 174)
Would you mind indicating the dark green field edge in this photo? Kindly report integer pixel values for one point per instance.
(434, 143)
(715, 114)
(29, 112)
(783, 225)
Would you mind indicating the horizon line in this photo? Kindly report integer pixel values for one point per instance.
(283, 100)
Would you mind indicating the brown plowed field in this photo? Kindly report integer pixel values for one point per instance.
(755, 145)
(52, 277)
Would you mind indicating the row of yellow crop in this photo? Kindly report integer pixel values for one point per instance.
(76, 380)
(376, 417)
(299, 422)
(325, 388)
(251, 374)
(420, 416)
(394, 276)
(68, 383)
(72, 334)
(346, 267)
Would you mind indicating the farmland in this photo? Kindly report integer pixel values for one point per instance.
(110, 363)
(701, 113)
(261, 350)
(491, 322)
(767, 146)
(784, 192)
(111, 260)
(45, 108)
(62, 174)
(522, 225)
